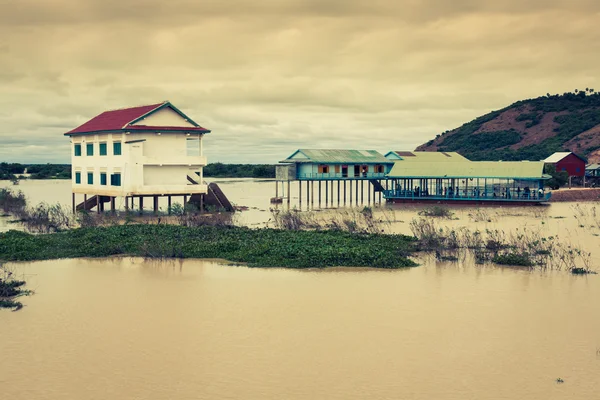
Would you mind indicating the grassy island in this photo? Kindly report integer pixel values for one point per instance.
(256, 247)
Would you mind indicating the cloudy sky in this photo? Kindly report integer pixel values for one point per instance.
(271, 76)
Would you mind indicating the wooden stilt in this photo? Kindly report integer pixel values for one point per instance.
(155, 205)
(338, 196)
(289, 192)
(112, 204)
(326, 193)
(184, 201)
(169, 204)
(73, 202)
(369, 193)
(319, 193)
(85, 202)
(97, 204)
(126, 204)
(300, 193)
(344, 192)
(202, 203)
(141, 199)
(312, 192)
(331, 193)
(276, 189)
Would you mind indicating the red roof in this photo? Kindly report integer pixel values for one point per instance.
(120, 119)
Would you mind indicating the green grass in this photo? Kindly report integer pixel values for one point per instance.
(256, 247)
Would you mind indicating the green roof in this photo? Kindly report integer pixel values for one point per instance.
(428, 156)
(469, 169)
(330, 156)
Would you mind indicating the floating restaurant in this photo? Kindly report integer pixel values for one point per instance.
(410, 176)
(468, 182)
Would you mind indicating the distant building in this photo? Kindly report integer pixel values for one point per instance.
(313, 164)
(151, 150)
(568, 162)
(592, 170)
(428, 156)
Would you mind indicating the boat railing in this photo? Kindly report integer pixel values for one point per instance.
(482, 195)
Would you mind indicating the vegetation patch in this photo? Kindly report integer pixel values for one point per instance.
(256, 247)
(437, 211)
(10, 289)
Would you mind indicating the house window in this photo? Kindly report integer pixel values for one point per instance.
(192, 146)
(77, 178)
(90, 178)
(365, 170)
(337, 169)
(323, 169)
(103, 178)
(563, 169)
(102, 149)
(356, 171)
(117, 148)
(344, 171)
(115, 179)
(379, 169)
(89, 149)
(578, 169)
(77, 150)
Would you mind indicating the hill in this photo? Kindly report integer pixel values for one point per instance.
(529, 130)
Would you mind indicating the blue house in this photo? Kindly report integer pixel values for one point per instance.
(312, 164)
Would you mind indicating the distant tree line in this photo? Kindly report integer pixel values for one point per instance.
(11, 171)
(220, 170)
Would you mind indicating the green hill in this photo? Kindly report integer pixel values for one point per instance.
(529, 130)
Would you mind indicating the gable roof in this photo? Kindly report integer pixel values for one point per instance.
(429, 156)
(559, 155)
(333, 156)
(123, 119)
(470, 169)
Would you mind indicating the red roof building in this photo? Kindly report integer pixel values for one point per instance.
(568, 162)
(128, 119)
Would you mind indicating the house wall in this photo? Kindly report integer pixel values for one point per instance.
(572, 164)
(312, 171)
(164, 117)
(148, 164)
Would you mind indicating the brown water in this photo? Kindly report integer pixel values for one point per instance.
(123, 328)
(128, 329)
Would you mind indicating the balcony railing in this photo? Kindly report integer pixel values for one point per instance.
(333, 175)
(509, 196)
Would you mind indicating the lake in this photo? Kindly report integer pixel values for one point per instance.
(128, 328)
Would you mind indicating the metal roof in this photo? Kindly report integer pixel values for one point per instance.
(556, 157)
(469, 169)
(592, 166)
(429, 156)
(332, 156)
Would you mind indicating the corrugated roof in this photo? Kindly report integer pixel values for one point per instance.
(429, 156)
(556, 157)
(337, 156)
(592, 166)
(121, 119)
(469, 169)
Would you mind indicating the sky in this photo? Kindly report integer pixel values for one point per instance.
(271, 76)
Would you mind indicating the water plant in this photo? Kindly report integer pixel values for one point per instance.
(10, 289)
(437, 211)
(257, 247)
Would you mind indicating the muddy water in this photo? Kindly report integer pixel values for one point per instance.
(129, 329)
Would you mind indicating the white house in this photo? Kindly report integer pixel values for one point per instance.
(153, 150)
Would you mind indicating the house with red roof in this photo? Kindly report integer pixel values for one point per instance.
(137, 152)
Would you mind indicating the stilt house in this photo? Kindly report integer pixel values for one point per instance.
(153, 150)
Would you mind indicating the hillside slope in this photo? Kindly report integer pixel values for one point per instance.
(529, 130)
